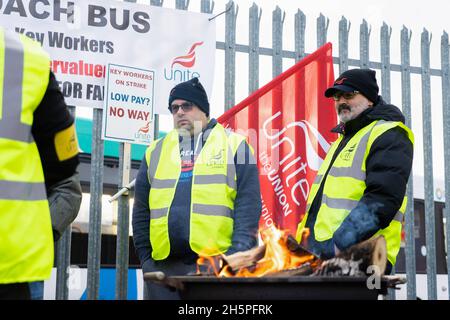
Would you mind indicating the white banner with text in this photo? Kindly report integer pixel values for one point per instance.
(83, 36)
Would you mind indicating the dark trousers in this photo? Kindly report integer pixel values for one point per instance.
(15, 291)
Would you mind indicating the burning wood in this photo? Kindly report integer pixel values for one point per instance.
(304, 270)
(244, 259)
(282, 255)
(367, 257)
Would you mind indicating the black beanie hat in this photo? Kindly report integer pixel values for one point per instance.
(193, 91)
(362, 80)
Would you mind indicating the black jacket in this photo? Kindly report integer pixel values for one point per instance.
(61, 179)
(388, 167)
(50, 117)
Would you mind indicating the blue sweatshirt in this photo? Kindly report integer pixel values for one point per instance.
(247, 205)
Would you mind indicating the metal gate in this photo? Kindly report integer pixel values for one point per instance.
(276, 52)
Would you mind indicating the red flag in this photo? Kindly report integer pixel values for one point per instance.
(288, 123)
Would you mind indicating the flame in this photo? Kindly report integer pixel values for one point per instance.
(209, 265)
(277, 257)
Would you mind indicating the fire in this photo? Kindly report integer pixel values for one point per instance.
(304, 236)
(277, 257)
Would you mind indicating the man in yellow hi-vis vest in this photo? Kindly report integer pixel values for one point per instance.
(39, 156)
(359, 190)
(197, 192)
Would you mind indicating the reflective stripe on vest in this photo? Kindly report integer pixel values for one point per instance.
(212, 196)
(11, 126)
(26, 241)
(26, 191)
(349, 170)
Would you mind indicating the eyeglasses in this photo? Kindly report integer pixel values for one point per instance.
(345, 95)
(186, 106)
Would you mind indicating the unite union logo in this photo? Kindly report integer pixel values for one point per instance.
(340, 81)
(145, 129)
(187, 60)
(217, 160)
(180, 69)
(347, 154)
(144, 134)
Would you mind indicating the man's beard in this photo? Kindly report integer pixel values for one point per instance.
(184, 129)
(344, 117)
(344, 106)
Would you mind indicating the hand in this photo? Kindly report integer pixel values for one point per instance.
(328, 249)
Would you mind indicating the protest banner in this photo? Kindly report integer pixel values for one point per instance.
(83, 36)
(288, 123)
(128, 111)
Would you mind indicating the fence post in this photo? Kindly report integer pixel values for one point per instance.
(182, 4)
(123, 223)
(385, 32)
(230, 54)
(410, 252)
(445, 66)
(344, 29)
(123, 220)
(63, 246)
(277, 41)
(322, 27)
(156, 3)
(299, 31)
(364, 36)
(63, 250)
(206, 6)
(385, 36)
(428, 167)
(253, 50)
(95, 207)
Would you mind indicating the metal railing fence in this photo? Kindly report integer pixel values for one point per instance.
(255, 51)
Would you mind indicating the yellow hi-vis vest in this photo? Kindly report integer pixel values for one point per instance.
(214, 190)
(26, 240)
(345, 185)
